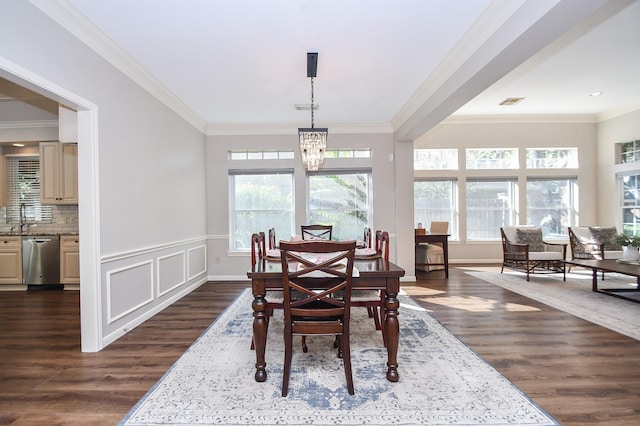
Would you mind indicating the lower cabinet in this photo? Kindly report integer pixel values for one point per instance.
(69, 259)
(10, 260)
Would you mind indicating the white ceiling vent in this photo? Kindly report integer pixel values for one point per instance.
(306, 107)
(511, 101)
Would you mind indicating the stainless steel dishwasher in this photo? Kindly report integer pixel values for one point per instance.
(40, 259)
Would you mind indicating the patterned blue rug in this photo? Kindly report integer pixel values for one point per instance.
(442, 382)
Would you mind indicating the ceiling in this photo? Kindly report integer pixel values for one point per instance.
(243, 63)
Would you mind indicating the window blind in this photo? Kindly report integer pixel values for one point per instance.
(23, 188)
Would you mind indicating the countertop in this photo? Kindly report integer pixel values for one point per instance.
(36, 234)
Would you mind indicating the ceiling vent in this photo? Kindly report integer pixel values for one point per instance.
(511, 101)
(306, 107)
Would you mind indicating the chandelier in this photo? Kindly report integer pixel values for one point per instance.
(313, 142)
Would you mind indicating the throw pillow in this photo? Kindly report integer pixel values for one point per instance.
(531, 236)
(601, 234)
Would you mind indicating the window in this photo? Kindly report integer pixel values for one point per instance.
(490, 206)
(435, 159)
(551, 205)
(631, 204)
(23, 189)
(341, 199)
(260, 200)
(491, 158)
(261, 155)
(435, 201)
(628, 152)
(552, 158)
(348, 153)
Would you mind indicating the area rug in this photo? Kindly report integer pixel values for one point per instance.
(441, 380)
(576, 297)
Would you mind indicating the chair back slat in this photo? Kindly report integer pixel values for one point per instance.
(367, 237)
(258, 249)
(272, 239)
(382, 244)
(316, 232)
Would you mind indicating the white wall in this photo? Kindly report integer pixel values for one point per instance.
(142, 189)
(224, 264)
(479, 134)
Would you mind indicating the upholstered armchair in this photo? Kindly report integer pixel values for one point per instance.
(432, 255)
(593, 242)
(524, 249)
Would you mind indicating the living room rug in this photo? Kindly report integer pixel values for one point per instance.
(575, 296)
(442, 381)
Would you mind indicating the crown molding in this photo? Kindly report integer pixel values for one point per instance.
(608, 115)
(292, 129)
(73, 21)
(520, 118)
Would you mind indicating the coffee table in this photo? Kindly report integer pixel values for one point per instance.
(611, 265)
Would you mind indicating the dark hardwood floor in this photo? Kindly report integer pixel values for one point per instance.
(580, 373)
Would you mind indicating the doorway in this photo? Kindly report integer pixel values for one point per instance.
(88, 195)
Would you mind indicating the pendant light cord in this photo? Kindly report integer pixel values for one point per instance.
(312, 102)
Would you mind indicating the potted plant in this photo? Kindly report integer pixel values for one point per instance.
(630, 244)
(625, 240)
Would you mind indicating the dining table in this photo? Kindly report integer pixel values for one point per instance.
(373, 274)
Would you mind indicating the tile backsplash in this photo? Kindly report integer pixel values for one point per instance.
(65, 220)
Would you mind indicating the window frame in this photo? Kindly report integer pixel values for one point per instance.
(512, 210)
(234, 233)
(571, 209)
(35, 211)
(492, 163)
(431, 215)
(339, 230)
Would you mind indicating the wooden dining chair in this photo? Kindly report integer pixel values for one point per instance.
(320, 274)
(272, 238)
(316, 232)
(258, 251)
(382, 244)
(382, 247)
(373, 300)
(366, 239)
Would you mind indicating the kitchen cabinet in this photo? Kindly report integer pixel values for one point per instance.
(67, 124)
(10, 260)
(69, 259)
(59, 173)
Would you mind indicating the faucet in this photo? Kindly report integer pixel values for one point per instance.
(23, 218)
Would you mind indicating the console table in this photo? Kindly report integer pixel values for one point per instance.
(440, 239)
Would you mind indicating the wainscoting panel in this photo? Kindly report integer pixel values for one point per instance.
(136, 281)
(171, 272)
(197, 257)
(141, 283)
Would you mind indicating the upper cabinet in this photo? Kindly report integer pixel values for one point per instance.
(67, 125)
(58, 173)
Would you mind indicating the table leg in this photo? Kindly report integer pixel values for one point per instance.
(259, 306)
(594, 280)
(445, 250)
(392, 334)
